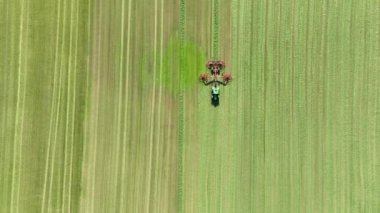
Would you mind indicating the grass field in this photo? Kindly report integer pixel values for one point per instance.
(101, 109)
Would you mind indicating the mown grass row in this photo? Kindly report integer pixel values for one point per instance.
(310, 119)
(215, 29)
(181, 103)
(126, 131)
(214, 201)
(152, 120)
(157, 191)
(20, 106)
(77, 99)
(40, 165)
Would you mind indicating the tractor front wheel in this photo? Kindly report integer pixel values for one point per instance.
(203, 77)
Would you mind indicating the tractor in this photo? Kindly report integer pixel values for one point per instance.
(216, 77)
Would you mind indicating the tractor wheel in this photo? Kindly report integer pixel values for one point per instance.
(227, 77)
(203, 77)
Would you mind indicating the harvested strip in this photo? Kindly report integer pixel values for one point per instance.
(181, 123)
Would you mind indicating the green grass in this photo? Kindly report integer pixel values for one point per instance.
(101, 109)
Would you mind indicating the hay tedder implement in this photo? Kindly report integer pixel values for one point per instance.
(217, 76)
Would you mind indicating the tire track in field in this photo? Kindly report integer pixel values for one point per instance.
(148, 201)
(4, 124)
(97, 94)
(244, 204)
(57, 118)
(17, 148)
(224, 145)
(157, 159)
(118, 114)
(4, 43)
(211, 144)
(126, 130)
(118, 120)
(181, 129)
(237, 66)
(74, 106)
(170, 133)
(83, 201)
(69, 98)
(24, 64)
(11, 41)
(205, 123)
(53, 106)
(16, 132)
(212, 162)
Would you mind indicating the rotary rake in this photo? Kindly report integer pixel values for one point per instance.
(216, 77)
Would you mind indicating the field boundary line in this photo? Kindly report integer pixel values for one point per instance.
(126, 111)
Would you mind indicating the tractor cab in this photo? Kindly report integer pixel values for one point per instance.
(215, 95)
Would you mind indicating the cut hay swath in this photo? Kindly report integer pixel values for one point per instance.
(181, 122)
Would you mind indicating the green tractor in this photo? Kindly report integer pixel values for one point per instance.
(216, 78)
